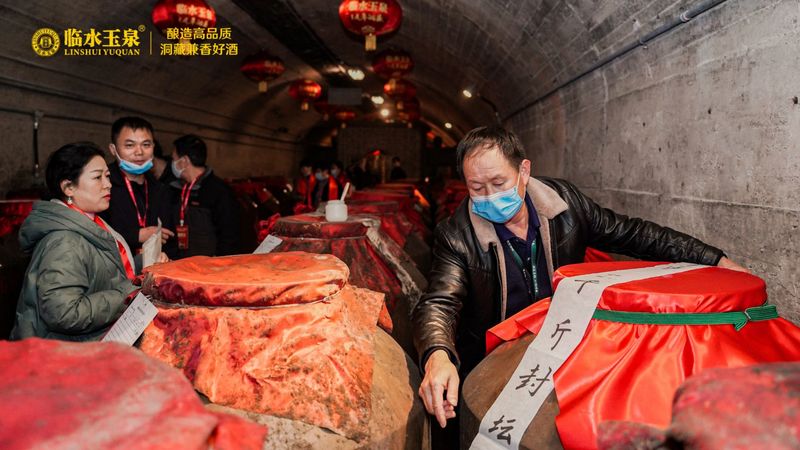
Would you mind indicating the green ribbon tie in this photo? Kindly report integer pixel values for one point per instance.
(736, 318)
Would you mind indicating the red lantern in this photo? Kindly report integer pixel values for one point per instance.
(344, 115)
(400, 90)
(183, 14)
(411, 111)
(322, 106)
(392, 63)
(261, 68)
(370, 18)
(305, 91)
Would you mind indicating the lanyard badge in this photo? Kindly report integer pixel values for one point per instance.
(142, 218)
(182, 230)
(533, 282)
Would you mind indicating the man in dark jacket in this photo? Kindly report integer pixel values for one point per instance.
(138, 200)
(496, 255)
(207, 211)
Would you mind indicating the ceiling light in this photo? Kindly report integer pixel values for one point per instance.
(377, 99)
(467, 93)
(356, 74)
(384, 112)
(448, 125)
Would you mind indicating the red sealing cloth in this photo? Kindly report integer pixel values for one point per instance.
(630, 372)
(99, 395)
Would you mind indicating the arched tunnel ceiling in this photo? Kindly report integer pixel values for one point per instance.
(511, 51)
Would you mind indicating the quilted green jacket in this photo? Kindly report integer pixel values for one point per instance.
(75, 286)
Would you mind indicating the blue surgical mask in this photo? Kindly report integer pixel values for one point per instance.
(335, 172)
(135, 169)
(320, 176)
(499, 207)
(175, 171)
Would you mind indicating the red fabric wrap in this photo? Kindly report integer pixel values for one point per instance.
(307, 359)
(393, 223)
(246, 280)
(310, 362)
(105, 396)
(630, 372)
(406, 206)
(347, 241)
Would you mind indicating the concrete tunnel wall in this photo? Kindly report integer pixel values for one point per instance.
(699, 131)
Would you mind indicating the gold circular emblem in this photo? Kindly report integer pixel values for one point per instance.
(45, 42)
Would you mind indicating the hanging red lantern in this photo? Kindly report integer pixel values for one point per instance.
(344, 115)
(322, 106)
(400, 90)
(411, 112)
(305, 91)
(262, 67)
(370, 18)
(183, 14)
(392, 63)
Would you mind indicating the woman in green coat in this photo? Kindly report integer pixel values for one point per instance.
(79, 278)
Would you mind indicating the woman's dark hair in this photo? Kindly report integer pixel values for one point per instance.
(67, 163)
(485, 138)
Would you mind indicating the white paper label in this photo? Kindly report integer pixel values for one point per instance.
(267, 245)
(571, 309)
(133, 321)
(151, 249)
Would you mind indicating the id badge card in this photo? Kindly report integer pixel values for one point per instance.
(183, 237)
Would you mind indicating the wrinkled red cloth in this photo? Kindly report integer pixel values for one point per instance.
(407, 206)
(12, 214)
(309, 359)
(347, 241)
(393, 223)
(246, 280)
(265, 226)
(751, 407)
(630, 372)
(97, 395)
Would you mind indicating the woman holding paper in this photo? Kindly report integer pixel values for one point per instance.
(79, 278)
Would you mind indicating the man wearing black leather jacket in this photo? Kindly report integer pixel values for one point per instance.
(497, 253)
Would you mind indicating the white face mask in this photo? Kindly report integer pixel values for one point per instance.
(174, 167)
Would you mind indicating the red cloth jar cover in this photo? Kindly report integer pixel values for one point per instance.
(279, 334)
(375, 262)
(393, 223)
(630, 372)
(407, 206)
(97, 395)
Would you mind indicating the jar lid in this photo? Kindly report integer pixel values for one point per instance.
(247, 280)
(314, 225)
(708, 289)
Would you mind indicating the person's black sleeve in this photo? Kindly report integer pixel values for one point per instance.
(639, 238)
(435, 317)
